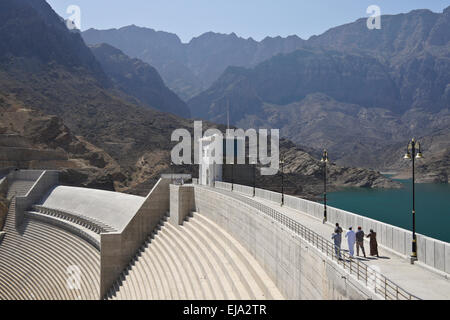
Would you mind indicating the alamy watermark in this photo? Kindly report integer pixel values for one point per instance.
(73, 277)
(73, 22)
(374, 21)
(209, 147)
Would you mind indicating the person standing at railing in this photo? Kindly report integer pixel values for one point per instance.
(373, 243)
(337, 238)
(339, 231)
(351, 238)
(360, 242)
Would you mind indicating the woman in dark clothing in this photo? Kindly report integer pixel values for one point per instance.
(373, 243)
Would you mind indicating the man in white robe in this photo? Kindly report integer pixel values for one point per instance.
(351, 238)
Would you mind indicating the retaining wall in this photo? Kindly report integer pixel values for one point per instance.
(45, 180)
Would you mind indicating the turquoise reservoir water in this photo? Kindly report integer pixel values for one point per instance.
(395, 206)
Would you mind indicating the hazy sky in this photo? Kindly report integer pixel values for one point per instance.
(247, 18)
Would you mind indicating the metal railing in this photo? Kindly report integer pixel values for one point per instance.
(362, 272)
(86, 222)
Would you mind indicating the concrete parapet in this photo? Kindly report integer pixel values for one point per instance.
(244, 190)
(117, 249)
(223, 185)
(181, 203)
(268, 195)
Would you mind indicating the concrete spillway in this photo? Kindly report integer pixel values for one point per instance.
(195, 261)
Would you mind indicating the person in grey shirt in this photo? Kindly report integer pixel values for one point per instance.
(360, 241)
(338, 230)
(337, 238)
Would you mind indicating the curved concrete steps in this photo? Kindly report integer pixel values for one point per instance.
(34, 262)
(19, 187)
(198, 260)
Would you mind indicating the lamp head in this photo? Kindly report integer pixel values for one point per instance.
(419, 155)
(324, 157)
(407, 156)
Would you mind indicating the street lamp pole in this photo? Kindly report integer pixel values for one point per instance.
(232, 177)
(282, 183)
(413, 152)
(325, 160)
(254, 180)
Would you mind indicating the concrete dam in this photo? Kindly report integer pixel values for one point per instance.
(192, 241)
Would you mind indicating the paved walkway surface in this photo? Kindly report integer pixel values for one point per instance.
(416, 279)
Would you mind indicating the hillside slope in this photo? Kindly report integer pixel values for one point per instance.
(139, 80)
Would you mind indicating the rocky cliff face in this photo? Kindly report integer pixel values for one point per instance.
(78, 106)
(304, 175)
(139, 80)
(433, 168)
(355, 91)
(32, 140)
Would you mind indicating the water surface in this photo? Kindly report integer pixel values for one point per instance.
(394, 206)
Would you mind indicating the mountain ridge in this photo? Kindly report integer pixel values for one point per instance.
(139, 80)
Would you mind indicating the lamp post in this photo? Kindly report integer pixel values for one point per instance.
(232, 177)
(325, 160)
(413, 152)
(254, 180)
(282, 181)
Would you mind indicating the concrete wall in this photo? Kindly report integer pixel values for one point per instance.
(3, 186)
(223, 185)
(431, 252)
(299, 270)
(43, 184)
(5, 171)
(181, 203)
(248, 191)
(118, 249)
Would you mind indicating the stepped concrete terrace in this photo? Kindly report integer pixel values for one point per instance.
(194, 260)
(391, 276)
(35, 256)
(52, 230)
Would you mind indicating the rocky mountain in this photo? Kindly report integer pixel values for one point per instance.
(434, 167)
(356, 98)
(139, 80)
(76, 116)
(415, 48)
(304, 174)
(353, 135)
(189, 68)
(34, 75)
(31, 140)
(289, 78)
